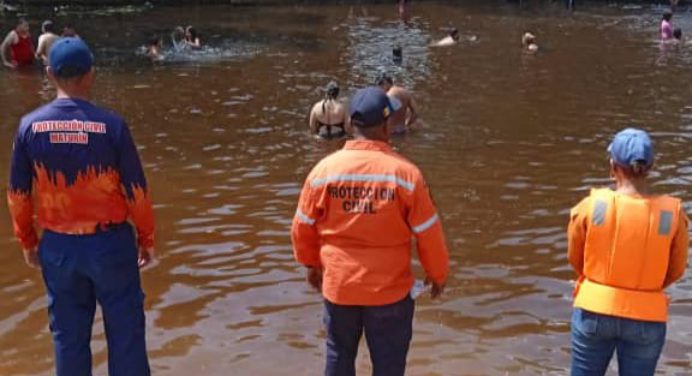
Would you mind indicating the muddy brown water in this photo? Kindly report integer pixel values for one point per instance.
(509, 143)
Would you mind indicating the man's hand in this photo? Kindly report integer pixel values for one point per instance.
(146, 257)
(436, 289)
(314, 278)
(10, 65)
(31, 258)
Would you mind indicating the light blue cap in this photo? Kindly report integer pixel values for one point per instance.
(630, 146)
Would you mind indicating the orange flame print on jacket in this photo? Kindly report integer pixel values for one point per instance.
(95, 198)
(22, 212)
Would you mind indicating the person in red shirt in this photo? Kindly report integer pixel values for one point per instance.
(358, 212)
(17, 50)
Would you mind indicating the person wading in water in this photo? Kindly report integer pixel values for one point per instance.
(328, 118)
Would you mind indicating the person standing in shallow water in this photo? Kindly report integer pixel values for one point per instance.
(353, 228)
(626, 246)
(79, 165)
(45, 41)
(17, 50)
(667, 26)
(404, 10)
(404, 118)
(328, 117)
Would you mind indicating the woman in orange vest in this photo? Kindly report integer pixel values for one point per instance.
(627, 246)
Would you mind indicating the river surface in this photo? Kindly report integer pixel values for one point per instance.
(509, 143)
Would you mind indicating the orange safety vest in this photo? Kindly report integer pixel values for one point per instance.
(626, 255)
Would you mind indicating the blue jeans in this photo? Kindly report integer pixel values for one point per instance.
(596, 337)
(80, 270)
(388, 331)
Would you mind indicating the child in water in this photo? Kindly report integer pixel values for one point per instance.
(178, 38)
(397, 55)
(451, 39)
(154, 49)
(528, 41)
(191, 38)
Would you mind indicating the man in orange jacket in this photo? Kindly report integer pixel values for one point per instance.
(353, 229)
(627, 246)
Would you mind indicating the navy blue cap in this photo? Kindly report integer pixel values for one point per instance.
(632, 146)
(70, 57)
(372, 106)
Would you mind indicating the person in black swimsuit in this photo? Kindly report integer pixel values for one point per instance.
(328, 117)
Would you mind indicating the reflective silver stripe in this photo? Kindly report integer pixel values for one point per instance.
(665, 222)
(426, 225)
(373, 178)
(304, 218)
(599, 212)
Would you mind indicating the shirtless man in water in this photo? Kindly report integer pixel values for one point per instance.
(450, 40)
(403, 119)
(45, 41)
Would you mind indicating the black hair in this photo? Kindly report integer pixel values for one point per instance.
(667, 15)
(70, 72)
(398, 53)
(153, 41)
(382, 78)
(677, 33)
(357, 120)
(332, 90)
(192, 31)
(47, 26)
(637, 169)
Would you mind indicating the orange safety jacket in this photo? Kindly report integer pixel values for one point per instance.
(357, 214)
(627, 249)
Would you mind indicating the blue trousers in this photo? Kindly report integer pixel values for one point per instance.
(388, 331)
(596, 337)
(80, 270)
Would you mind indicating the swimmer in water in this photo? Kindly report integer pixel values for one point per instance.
(451, 39)
(403, 119)
(328, 117)
(154, 49)
(397, 55)
(191, 38)
(68, 31)
(528, 41)
(45, 41)
(677, 35)
(178, 38)
(667, 26)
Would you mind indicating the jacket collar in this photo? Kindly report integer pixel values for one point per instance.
(367, 145)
